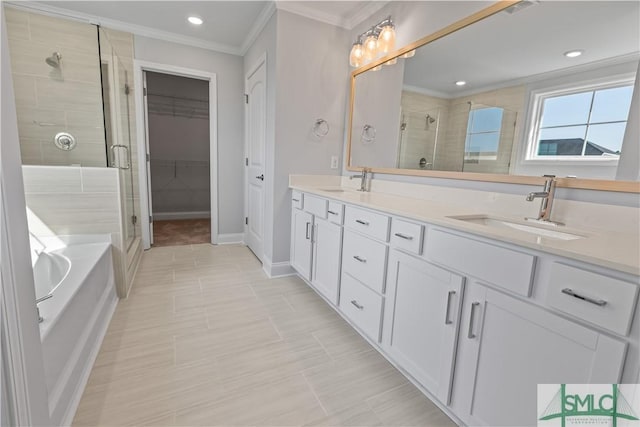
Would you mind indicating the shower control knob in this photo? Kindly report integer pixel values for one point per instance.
(64, 141)
(260, 177)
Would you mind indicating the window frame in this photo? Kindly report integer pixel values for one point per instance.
(537, 98)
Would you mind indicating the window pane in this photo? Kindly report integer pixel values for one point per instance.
(486, 120)
(605, 139)
(566, 141)
(611, 104)
(482, 143)
(566, 110)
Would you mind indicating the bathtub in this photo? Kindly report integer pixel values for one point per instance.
(80, 278)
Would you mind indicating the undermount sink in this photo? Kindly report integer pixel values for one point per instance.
(333, 190)
(498, 223)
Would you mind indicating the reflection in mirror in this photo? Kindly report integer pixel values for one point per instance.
(503, 97)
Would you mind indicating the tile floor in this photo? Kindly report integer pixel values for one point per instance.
(206, 339)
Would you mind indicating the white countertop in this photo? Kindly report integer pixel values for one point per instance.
(614, 250)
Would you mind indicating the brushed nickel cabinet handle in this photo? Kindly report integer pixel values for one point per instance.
(360, 221)
(403, 236)
(598, 302)
(296, 200)
(357, 258)
(446, 313)
(358, 306)
(332, 212)
(471, 335)
(308, 236)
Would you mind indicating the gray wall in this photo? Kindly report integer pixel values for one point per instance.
(228, 69)
(303, 86)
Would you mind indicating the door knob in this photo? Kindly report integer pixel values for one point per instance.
(260, 177)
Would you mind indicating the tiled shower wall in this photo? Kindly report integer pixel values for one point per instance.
(51, 100)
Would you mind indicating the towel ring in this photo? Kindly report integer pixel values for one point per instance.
(320, 128)
(368, 134)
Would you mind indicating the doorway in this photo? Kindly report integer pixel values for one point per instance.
(178, 135)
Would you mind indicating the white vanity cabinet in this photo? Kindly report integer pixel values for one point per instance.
(301, 247)
(477, 322)
(507, 346)
(421, 320)
(316, 244)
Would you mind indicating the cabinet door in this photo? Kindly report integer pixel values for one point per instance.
(327, 243)
(421, 320)
(301, 229)
(507, 347)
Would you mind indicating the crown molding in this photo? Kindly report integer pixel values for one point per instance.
(138, 30)
(364, 13)
(299, 8)
(259, 24)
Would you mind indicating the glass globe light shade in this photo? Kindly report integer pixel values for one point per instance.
(356, 56)
(387, 38)
(370, 47)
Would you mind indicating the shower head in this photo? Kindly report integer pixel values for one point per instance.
(430, 119)
(54, 60)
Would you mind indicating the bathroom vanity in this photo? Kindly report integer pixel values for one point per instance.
(474, 309)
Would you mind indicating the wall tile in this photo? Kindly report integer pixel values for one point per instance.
(99, 180)
(51, 179)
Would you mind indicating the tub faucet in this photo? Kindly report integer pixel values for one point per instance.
(38, 301)
(363, 176)
(547, 194)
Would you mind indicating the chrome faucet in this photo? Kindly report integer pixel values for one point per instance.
(363, 176)
(38, 301)
(547, 194)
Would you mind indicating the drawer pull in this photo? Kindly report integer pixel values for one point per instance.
(308, 236)
(296, 200)
(357, 258)
(471, 335)
(446, 313)
(598, 302)
(358, 306)
(403, 236)
(333, 213)
(360, 221)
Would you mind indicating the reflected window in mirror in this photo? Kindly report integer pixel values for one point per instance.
(577, 124)
(483, 133)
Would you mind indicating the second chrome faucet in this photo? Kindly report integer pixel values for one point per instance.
(365, 177)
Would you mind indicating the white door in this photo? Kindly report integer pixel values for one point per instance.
(301, 248)
(507, 347)
(256, 128)
(421, 321)
(148, 156)
(327, 242)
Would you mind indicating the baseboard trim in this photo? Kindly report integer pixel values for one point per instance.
(230, 238)
(163, 216)
(277, 269)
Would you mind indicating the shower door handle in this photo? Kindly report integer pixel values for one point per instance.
(113, 156)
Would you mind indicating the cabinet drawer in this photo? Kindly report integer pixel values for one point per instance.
(335, 213)
(406, 235)
(370, 223)
(364, 259)
(297, 199)
(362, 306)
(316, 206)
(504, 267)
(598, 299)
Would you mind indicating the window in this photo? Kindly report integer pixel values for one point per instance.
(585, 124)
(483, 133)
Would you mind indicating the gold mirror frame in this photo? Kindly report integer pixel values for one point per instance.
(578, 183)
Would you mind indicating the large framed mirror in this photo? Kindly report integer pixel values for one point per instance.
(516, 91)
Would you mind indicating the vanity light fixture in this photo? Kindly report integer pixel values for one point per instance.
(409, 54)
(195, 20)
(379, 39)
(461, 83)
(573, 53)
